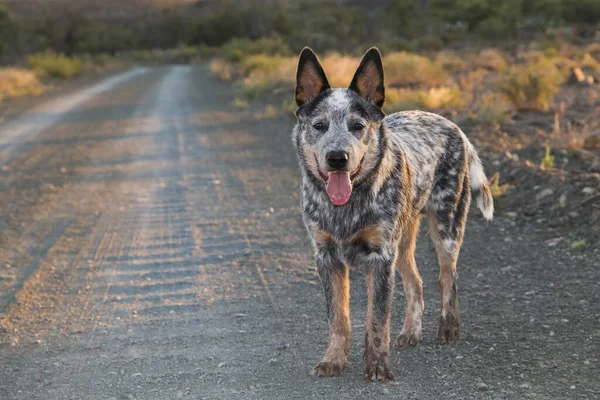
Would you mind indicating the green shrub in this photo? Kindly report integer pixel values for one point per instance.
(406, 69)
(238, 49)
(55, 65)
(547, 160)
(532, 86)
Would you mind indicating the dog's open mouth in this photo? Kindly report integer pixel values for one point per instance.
(339, 184)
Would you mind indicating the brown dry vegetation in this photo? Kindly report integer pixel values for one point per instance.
(18, 82)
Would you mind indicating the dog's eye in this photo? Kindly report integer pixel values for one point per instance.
(319, 126)
(357, 126)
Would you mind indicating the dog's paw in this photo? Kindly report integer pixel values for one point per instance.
(377, 367)
(329, 368)
(407, 339)
(379, 372)
(449, 330)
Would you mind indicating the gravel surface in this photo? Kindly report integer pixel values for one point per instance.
(151, 247)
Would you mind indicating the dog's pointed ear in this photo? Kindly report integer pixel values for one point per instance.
(310, 77)
(368, 79)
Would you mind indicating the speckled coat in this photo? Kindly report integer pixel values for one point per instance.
(403, 166)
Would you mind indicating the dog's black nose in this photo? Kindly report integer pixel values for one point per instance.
(337, 159)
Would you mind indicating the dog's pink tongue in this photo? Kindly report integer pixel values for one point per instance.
(339, 187)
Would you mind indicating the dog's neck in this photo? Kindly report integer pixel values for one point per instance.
(386, 161)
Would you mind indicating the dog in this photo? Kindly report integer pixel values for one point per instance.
(367, 179)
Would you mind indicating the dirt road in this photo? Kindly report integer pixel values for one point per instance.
(152, 248)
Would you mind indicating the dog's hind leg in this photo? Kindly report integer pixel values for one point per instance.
(446, 228)
(413, 287)
(334, 276)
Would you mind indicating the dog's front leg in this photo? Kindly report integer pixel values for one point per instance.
(380, 286)
(334, 276)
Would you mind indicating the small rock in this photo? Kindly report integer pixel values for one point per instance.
(459, 357)
(544, 193)
(562, 200)
(506, 269)
(482, 387)
(576, 75)
(273, 361)
(573, 387)
(587, 362)
(585, 155)
(221, 365)
(511, 214)
(592, 142)
(588, 190)
(136, 375)
(573, 214)
(385, 390)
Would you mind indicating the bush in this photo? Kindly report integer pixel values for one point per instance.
(17, 82)
(532, 86)
(492, 109)
(491, 59)
(55, 65)
(431, 99)
(238, 49)
(406, 69)
(264, 74)
(221, 69)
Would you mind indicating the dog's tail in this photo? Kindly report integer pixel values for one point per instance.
(480, 188)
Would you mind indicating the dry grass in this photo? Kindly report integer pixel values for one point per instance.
(221, 69)
(428, 99)
(18, 82)
(491, 109)
(496, 188)
(491, 59)
(532, 86)
(406, 69)
(267, 74)
(451, 61)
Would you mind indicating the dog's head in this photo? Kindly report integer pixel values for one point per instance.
(338, 129)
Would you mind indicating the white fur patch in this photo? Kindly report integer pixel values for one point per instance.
(476, 173)
(488, 212)
(338, 99)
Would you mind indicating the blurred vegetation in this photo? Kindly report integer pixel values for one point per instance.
(410, 25)
(55, 65)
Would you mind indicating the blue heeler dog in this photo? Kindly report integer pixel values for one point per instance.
(366, 181)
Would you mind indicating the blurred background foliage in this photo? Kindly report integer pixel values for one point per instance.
(83, 27)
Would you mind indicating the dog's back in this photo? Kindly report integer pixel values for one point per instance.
(441, 159)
